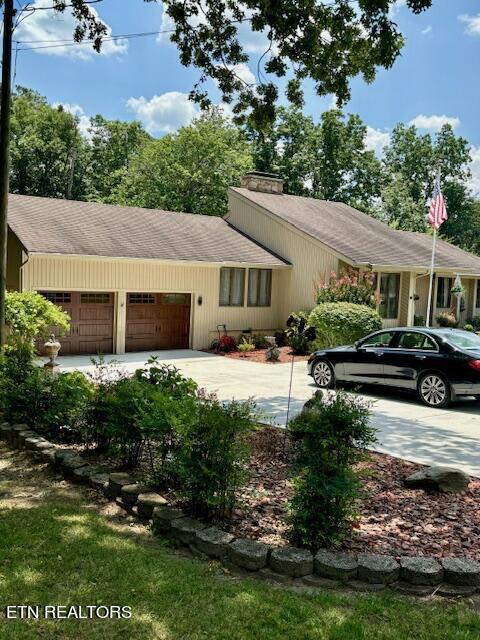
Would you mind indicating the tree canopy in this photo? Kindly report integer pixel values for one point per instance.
(329, 42)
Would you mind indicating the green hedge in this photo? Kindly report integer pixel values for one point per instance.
(340, 323)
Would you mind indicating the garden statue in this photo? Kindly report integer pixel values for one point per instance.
(52, 347)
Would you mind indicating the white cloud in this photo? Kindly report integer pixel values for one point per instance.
(427, 30)
(77, 111)
(252, 41)
(473, 24)
(474, 182)
(376, 140)
(434, 122)
(164, 113)
(244, 73)
(395, 8)
(51, 25)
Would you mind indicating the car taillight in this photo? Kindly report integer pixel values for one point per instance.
(474, 364)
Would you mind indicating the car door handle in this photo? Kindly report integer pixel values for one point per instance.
(420, 357)
(378, 353)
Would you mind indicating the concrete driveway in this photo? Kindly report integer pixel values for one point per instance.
(406, 428)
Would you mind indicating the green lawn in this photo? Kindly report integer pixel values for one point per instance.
(57, 548)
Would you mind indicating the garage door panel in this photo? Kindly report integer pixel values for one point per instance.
(91, 326)
(157, 321)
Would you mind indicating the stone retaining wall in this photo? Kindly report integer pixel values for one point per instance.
(420, 576)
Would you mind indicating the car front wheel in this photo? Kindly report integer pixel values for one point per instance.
(434, 390)
(323, 375)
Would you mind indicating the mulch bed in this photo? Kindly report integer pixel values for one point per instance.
(259, 355)
(393, 520)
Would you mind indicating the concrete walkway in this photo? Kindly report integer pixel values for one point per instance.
(406, 429)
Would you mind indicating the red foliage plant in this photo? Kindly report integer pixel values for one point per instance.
(358, 287)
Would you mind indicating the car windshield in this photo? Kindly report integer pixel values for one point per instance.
(464, 340)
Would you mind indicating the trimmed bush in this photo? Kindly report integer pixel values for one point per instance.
(340, 323)
(329, 437)
(447, 320)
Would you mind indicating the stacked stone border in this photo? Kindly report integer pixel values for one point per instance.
(421, 576)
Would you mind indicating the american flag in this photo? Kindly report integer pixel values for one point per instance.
(438, 211)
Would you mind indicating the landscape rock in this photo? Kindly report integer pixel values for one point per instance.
(115, 483)
(5, 429)
(99, 481)
(213, 542)
(421, 571)
(376, 569)
(291, 561)
(410, 589)
(163, 516)
(70, 463)
(318, 582)
(185, 529)
(461, 571)
(21, 436)
(130, 492)
(437, 478)
(146, 503)
(334, 564)
(82, 475)
(32, 442)
(14, 431)
(46, 455)
(454, 591)
(248, 554)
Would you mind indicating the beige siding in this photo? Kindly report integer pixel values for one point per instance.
(312, 263)
(404, 299)
(121, 276)
(421, 289)
(14, 261)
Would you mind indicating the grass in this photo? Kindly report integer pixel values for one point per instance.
(58, 547)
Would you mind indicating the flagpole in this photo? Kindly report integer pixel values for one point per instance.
(430, 286)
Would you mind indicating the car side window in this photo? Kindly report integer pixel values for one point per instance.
(378, 340)
(414, 340)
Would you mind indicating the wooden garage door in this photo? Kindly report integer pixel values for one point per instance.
(91, 327)
(157, 321)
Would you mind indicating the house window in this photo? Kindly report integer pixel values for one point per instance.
(389, 293)
(444, 297)
(259, 287)
(232, 286)
(175, 298)
(141, 298)
(477, 303)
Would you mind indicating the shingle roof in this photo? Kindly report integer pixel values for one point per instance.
(359, 237)
(47, 225)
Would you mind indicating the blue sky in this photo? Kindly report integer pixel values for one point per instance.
(435, 80)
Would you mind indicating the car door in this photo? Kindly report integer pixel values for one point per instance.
(365, 362)
(408, 355)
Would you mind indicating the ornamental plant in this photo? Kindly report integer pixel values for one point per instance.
(357, 287)
(224, 344)
(30, 316)
(447, 319)
(339, 323)
(299, 333)
(329, 437)
(245, 346)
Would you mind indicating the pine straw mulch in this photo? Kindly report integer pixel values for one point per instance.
(393, 520)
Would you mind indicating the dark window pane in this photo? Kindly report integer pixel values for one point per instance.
(141, 298)
(95, 298)
(57, 297)
(389, 292)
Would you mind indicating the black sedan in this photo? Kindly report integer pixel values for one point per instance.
(438, 364)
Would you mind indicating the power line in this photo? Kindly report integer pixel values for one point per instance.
(73, 43)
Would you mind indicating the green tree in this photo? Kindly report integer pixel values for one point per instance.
(397, 207)
(47, 150)
(328, 160)
(189, 170)
(111, 148)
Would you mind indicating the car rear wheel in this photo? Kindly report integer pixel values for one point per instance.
(323, 375)
(434, 390)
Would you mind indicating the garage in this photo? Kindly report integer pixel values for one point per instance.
(91, 327)
(157, 321)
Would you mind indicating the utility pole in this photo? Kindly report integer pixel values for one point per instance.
(5, 104)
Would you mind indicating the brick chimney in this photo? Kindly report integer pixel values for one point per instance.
(265, 182)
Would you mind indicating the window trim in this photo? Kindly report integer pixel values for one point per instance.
(229, 304)
(269, 290)
(449, 302)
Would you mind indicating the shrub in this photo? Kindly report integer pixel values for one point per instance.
(245, 346)
(447, 320)
(476, 322)
(299, 333)
(468, 327)
(272, 354)
(350, 286)
(30, 316)
(329, 437)
(280, 338)
(259, 341)
(213, 454)
(342, 323)
(419, 321)
(225, 344)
